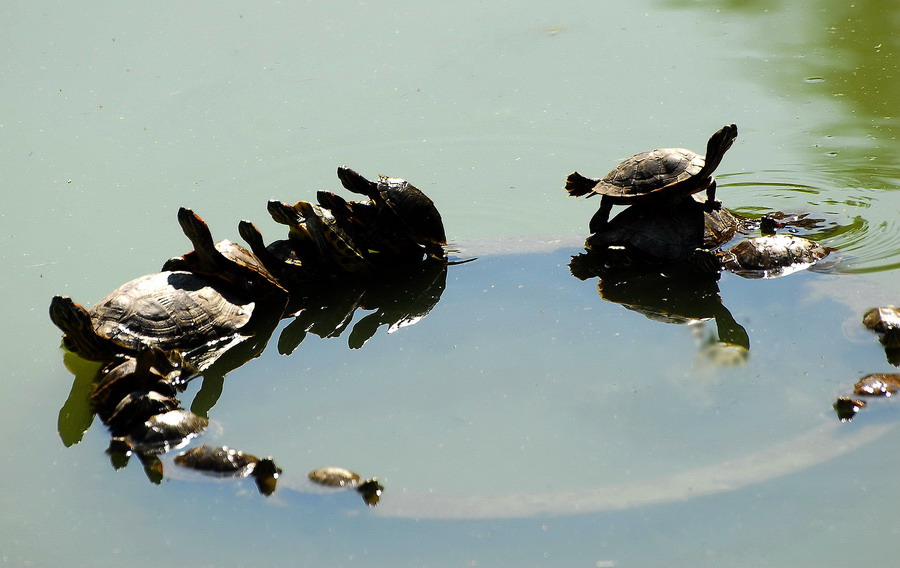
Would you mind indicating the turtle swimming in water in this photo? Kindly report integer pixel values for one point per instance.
(662, 177)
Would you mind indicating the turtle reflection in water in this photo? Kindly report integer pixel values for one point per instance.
(659, 178)
(663, 235)
(676, 295)
(338, 477)
(223, 461)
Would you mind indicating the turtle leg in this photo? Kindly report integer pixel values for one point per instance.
(711, 202)
(601, 217)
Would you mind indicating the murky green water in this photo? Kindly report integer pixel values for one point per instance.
(525, 421)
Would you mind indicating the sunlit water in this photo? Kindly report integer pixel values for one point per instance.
(524, 421)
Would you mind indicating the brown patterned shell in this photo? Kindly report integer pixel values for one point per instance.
(650, 172)
(171, 310)
(770, 252)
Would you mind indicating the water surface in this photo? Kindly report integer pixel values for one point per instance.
(525, 421)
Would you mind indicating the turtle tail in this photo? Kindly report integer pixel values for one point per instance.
(578, 185)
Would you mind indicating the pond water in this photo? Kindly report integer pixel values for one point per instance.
(528, 419)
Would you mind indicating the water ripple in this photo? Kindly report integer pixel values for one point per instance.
(855, 212)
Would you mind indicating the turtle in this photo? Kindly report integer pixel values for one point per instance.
(885, 321)
(279, 257)
(383, 242)
(299, 235)
(661, 177)
(770, 256)
(170, 310)
(199, 301)
(336, 248)
(223, 461)
(165, 431)
(151, 369)
(654, 235)
(402, 206)
(225, 261)
(136, 408)
(878, 384)
(334, 477)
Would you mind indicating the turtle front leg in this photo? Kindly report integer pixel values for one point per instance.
(711, 203)
(601, 217)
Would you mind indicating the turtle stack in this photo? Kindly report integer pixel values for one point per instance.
(156, 332)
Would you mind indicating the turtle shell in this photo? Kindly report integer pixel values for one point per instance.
(402, 206)
(770, 256)
(663, 175)
(171, 310)
(649, 172)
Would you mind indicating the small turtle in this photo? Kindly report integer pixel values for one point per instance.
(660, 177)
(878, 384)
(380, 240)
(402, 206)
(335, 246)
(334, 477)
(280, 257)
(151, 369)
(299, 235)
(225, 261)
(885, 321)
(846, 408)
(136, 408)
(770, 256)
(225, 462)
(163, 432)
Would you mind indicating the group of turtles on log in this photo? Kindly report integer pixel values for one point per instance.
(156, 332)
(885, 321)
(667, 222)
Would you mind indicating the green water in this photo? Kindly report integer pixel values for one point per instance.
(524, 421)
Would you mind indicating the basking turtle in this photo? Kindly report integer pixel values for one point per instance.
(335, 246)
(299, 235)
(170, 310)
(770, 256)
(401, 206)
(151, 369)
(166, 431)
(226, 261)
(378, 236)
(660, 177)
(279, 257)
(649, 235)
(200, 301)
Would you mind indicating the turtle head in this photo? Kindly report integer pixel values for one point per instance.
(80, 336)
(357, 183)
